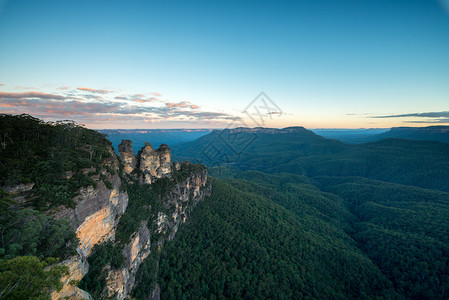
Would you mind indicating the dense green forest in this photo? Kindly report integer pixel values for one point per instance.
(240, 244)
(281, 235)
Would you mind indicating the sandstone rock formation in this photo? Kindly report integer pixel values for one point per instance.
(153, 164)
(178, 202)
(127, 156)
(121, 281)
(98, 211)
(94, 218)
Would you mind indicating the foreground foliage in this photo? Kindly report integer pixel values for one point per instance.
(28, 277)
(30, 232)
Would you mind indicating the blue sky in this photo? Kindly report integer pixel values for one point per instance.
(172, 64)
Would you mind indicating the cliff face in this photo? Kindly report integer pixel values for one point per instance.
(180, 201)
(94, 218)
(121, 281)
(52, 172)
(177, 203)
(99, 208)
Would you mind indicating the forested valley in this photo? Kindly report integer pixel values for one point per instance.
(299, 216)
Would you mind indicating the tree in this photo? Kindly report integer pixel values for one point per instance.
(27, 277)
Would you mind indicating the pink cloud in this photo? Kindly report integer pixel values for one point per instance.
(183, 104)
(145, 100)
(40, 95)
(93, 90)
(86, 107)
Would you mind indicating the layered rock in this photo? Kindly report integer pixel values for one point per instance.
(177, 203)
(127, 156)
(180, 201)
(94, 218)
(121, 281)
(98, 211)
(154, 164)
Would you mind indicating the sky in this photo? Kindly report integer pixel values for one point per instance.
(215, 64)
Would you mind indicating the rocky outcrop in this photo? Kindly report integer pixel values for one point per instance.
(94, 218)
(177, 204)
(98, 210)
(20, 188)
(154, 164)
(127, 156)
(78, 267)
(180, 201)
(121, 281)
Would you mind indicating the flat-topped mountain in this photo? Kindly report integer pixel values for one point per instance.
(430, 133)
(300, 151)
(294, 129)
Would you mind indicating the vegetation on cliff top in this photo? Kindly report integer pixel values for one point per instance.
(52, 155)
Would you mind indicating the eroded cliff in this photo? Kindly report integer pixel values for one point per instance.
(161, 197)
(94, 218)
(183, 188)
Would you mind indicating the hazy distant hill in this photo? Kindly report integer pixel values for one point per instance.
(431, 133)
(352, 136)
(300, 151)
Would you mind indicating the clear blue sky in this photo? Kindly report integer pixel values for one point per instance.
(165, 64)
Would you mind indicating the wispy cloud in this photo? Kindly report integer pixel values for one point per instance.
(434, 121)
(183, 104)
(101, 107)
(140, 98)
(440, 114)
(50, 107)
(86, 89)
(439, 117)
(30, 95)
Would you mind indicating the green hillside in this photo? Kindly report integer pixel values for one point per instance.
(241, 244)
(299, 151)
(374, 239)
